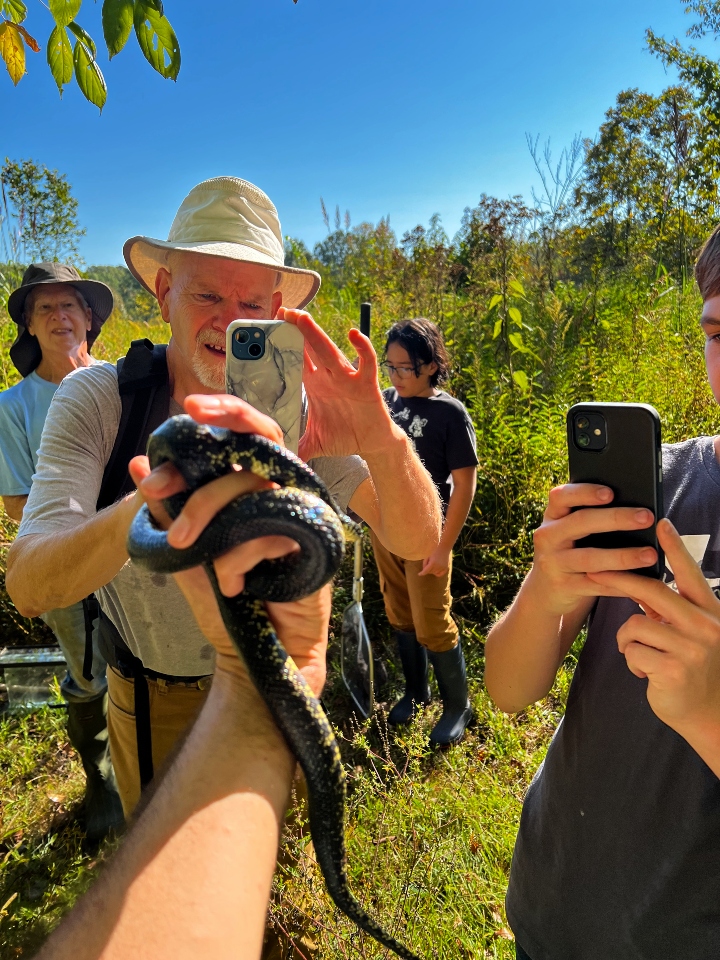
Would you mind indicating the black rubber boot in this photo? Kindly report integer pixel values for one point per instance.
(414, 660)
(87, 732)
(451, 678)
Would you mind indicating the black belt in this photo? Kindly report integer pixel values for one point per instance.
(128, 670)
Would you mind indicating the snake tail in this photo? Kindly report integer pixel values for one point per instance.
(295, 709)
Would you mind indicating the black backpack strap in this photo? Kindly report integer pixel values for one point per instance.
(91, 610)
(115, 649)
(144, 386)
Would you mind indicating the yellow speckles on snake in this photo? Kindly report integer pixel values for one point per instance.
(301, 509)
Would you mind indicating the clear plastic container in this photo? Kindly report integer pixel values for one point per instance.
(29, 676)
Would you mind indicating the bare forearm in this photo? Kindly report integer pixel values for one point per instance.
(457, 512)
(57, 570)
(193, 878)
(408, 507)
(525, 648)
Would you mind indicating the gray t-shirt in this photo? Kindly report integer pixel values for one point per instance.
(618, 855)
(148, 609)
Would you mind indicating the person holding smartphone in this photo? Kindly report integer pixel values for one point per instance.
(617, 854)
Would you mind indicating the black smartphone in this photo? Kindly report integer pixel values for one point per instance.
(618, 445)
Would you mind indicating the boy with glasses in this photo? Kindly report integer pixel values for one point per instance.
(417, 592)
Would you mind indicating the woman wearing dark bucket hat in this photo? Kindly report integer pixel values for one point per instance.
(59, 316)
(26, 352)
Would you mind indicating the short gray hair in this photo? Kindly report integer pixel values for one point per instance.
(30, 300)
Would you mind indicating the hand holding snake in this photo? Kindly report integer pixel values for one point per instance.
(301, 510)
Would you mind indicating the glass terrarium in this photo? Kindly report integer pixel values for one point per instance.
(29, 677)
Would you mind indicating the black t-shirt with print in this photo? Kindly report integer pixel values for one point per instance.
(441, 431)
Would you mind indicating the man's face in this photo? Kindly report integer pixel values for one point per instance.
(58, 319)
(710, 322)
(200, 296)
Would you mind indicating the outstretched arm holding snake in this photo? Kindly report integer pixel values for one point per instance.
(193, 877)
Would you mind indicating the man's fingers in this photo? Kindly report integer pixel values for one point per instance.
(689, 578)
(232, 566)
(581, 523)
(597, 559)
(666, 603)
(322, 349)
(651, 633)
(139, 469)
(223, 410)
(367, 358)
(562, 499)
(205, 503)
(643, 661)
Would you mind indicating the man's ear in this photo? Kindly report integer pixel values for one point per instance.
(276, 303)
(162, 288)
(433, 368)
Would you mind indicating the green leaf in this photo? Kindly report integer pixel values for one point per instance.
(12, 50)
(516, 340)
(497, 328)
(520, 378)
(515, 316)
(88, 75)
(84, 38)
(157, 39)
(60, 57)
(117, 20)
(495, 301)
(14, 9)
(517, 287)
(64, 11)
(605, 324)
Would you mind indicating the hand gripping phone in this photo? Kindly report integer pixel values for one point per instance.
(618, 445)
(264, 367)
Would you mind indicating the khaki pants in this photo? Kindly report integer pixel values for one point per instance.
(416, 604)
(173, 709)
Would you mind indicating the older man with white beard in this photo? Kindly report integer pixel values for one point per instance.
(223, 261)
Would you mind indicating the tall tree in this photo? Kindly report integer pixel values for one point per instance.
(38, 214)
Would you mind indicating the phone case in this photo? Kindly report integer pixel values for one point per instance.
(271, 383)
(630, 463)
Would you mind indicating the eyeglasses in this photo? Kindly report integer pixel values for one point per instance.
(402, 372)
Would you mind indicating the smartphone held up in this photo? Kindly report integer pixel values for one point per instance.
(264, 367)
(619, 445)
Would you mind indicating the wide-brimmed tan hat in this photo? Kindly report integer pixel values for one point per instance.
(25, 352)
(230, 218)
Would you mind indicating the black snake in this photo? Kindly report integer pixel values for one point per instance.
(301, 509)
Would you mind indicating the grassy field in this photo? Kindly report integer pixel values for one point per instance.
(430, 834)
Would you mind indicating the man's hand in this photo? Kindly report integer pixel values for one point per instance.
(561, 571)
(676, 644)
(302, 626)
(437, 563)
(347, 413)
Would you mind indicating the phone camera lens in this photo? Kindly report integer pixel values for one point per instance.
(242, 336)
(255, 350)
(583, 439)
(582, 423)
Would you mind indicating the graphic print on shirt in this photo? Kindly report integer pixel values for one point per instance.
(404, 414)
(696, 545)
(416, 427)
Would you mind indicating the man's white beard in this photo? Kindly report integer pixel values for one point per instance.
(209, 372)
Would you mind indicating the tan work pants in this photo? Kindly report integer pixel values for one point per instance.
(173, 709)
(414, 603)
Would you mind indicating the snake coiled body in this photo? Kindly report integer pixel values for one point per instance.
(303, 510)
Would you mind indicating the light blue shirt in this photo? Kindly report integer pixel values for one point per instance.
(23, 409)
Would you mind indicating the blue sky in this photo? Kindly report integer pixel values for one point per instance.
(399, 107)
